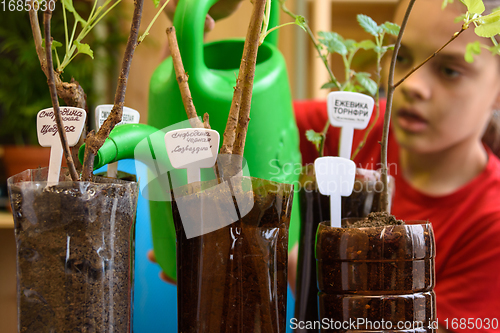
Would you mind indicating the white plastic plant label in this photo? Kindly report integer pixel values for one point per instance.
(335, 177)
(129, 116)
(73, 121)
(192, 149)
(349, 110)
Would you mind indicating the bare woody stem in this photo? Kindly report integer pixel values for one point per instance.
(182, 80)
(321, 150)
(95, 141)
(246, 77)
(234, 111)
(384, 196)
(53, 95)
(430, 57)
(71, 92)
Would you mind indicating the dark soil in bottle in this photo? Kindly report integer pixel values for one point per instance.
(315, 208)
(75, 255)
(234, 279)
(377, 269)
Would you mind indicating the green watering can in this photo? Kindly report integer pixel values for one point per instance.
(272, 145)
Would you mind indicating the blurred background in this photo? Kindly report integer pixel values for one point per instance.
(24, 91)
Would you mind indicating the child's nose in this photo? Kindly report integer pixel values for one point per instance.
(417, 86)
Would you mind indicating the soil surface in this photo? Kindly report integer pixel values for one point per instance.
(376, 219)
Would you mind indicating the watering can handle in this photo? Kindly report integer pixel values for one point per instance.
(189, 22)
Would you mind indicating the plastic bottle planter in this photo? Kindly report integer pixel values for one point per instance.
(376, 277)
(233, 279)
(315, 208)
(75, 246)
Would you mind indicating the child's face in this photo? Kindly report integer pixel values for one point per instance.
(448, 101)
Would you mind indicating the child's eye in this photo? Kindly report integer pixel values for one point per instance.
(450, 73)
(402, 59)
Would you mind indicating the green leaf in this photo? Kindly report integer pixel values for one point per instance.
(84, 48)
(366, 44)
(55, 44)
(391, 28)
(445, 3)
(68, 4)
(471, 50)
(333, 41)
(460, 18)
(301, 22)
(314, 137)
(367, 83)
(489, 25)
(474, 6)
(350, 45)
(495, 50)
(329, 85)
(368, 24)
(388, 47)
(156, 3)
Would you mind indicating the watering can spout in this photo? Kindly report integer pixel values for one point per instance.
(123, 143)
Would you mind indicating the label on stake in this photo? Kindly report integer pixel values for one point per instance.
(73, 121)
(192, 149)
(129, 116)
(349, 110)
(335, 177)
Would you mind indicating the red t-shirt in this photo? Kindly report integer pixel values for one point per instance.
(466, 224)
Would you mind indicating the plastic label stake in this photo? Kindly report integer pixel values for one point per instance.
(129, 116)
(349, 111)
(48, 136)
(192, 149)
(335, 177)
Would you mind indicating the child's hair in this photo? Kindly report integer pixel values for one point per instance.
(491, 136)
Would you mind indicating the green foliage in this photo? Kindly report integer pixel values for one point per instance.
(301, 22)
(333, 43)
(495, 49)
(314, 137)
(445, 3)
(68, 5)
(84, 48)
(73, 41)
(471, 50)
(474, 6)
(369, 25)
(367, 83)
(23, 85)
(391, 28)
(489, 25)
